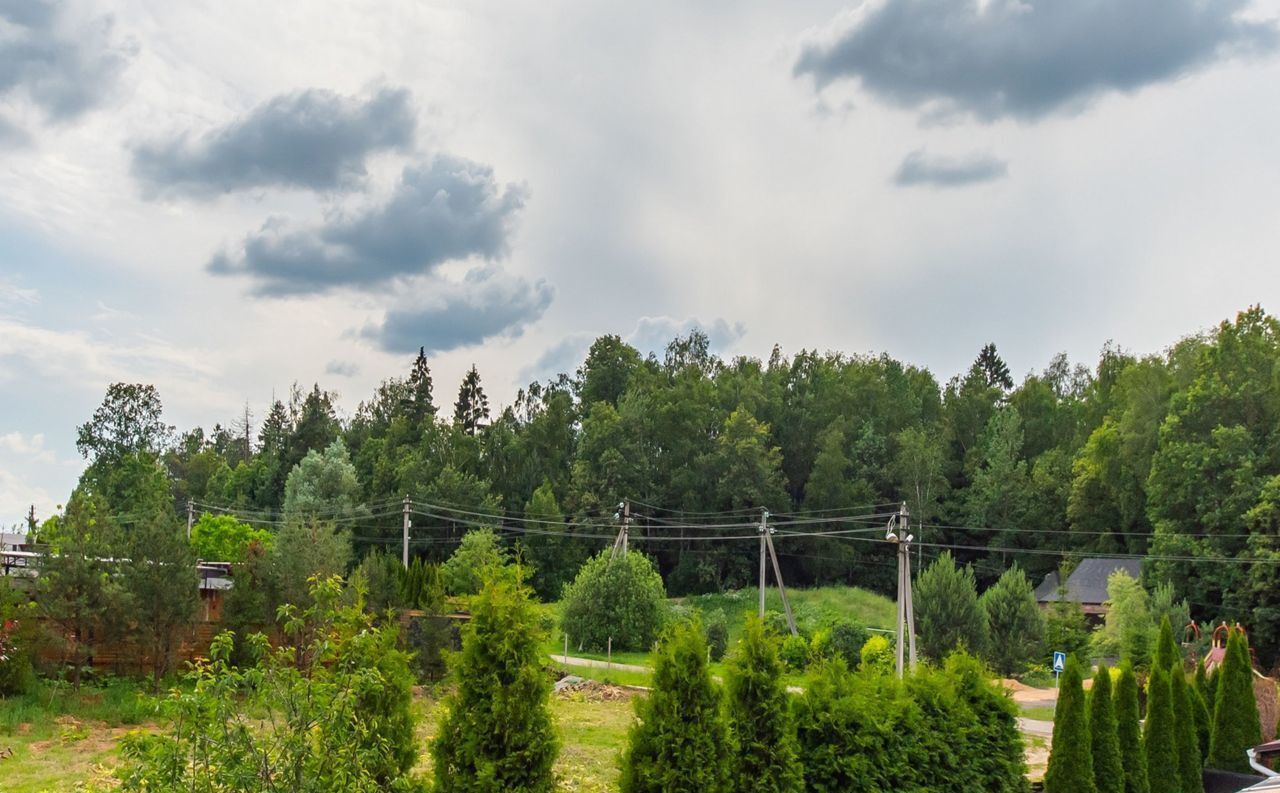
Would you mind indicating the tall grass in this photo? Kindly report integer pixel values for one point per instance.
(114, 701)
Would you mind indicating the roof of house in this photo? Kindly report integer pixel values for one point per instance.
(1088, 582)
(9, 541)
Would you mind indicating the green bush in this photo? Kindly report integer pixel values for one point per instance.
(760, 718)
(795, 652)
(1129, 732)
(1235, 713)
(716, 626)
(478, 553)
(877, 656)
(1070, 759)
(622, 598)
(1168, 654)
(846, 639)
(379, 574)
(430, 639)
(1108, 767)
(1158, 739)
(17, 640)
(342, 720)
(496, 732)
(679, 741)
(421, 587)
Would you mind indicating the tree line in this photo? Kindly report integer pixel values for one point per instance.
(1174, 454)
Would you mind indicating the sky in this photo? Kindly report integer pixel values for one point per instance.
(223, 199)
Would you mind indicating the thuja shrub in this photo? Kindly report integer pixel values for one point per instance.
(1071, 759)
(760, 719)
(496, 733)
(1235, 726)
(680, 740)
(1187, 742)
(1104, 735)
(342, 721)
(1159, 742)
(1129, 732)
(621, 598)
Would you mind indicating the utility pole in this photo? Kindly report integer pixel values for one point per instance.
(404, 553)
(191, 516)
(766, 548)
(906, 608)
(620, 542)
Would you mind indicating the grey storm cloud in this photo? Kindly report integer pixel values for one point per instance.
(1027, 58)
(921, 168)
(487, 303)
(314, 139)
(63, 66)
(342, 368)
(447, 209)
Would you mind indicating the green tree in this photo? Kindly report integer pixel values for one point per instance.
(1159, 739)
(1070, 767)
(323, 484)
(919, 468)
(163, 588)
(420, 406)
(1200, 709)
(1108, 767)
(1065, 627)
(606, 373)
(497, 733)
(1128, 630)
(1235, 713)
(623, 599)
(948, 616)
(1128, 728)
(127, 422)
(77, 590)
(760, 718)
(679, 742)
(1014, 616)
(471, 409)
(748, 466)
(222, 538)
(1168, 653)
(554, 557)
(478, 557)
(303, 550)
(994, 368)
(18, 628)
(421, 587)
(1190, 762)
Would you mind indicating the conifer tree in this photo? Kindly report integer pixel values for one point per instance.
(1235, 713)
(1204, 719)
(1158, 739)
(760, 720)
(1129, 732)
(496, 733)
(1070, 761)
(1187, 742)
(472, 407)
(679, 742)
(1168, 655)
(420, 405)
(1108, 770)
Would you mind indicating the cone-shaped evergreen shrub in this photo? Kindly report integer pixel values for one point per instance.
(1129, 732)
(1070, 760)
(496, 733)
(760, 717)
(1185, 738)
(1203, 707)
(1235, 713)
(1158, 740)
(1168, 654)
(679, 742)
(1108, 770)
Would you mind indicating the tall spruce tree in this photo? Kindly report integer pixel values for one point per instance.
(1108, 768)
(472, 407)
(760, 719)
(1235, 713)
(1190, 761)
(421, 406)
(497, 733)
(679, 742)
(1070, 760)
(1129, 732)
(1159, 741)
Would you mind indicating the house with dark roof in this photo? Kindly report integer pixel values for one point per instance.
(1087, 584)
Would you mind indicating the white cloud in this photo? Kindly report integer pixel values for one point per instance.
(30, 447)
(17, 495)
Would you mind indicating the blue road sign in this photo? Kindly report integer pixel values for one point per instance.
(1059, 661)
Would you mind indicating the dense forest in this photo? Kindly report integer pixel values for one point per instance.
(1173, 456)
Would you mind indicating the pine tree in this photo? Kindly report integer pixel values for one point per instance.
(497, 733)
(1129, 732)
(1158, 740)
(1108, 770)
(947, 612)
(1235, 713)
(1013, 615)
(760, 719)
(472, 407)
(1185, 739)
(420, 405)
(1168, 655)
(679, 742)
(1070, 760)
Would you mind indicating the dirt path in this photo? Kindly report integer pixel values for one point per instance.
(591, 663)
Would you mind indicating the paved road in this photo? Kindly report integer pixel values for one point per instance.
(1043, 729)
(591, 663)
